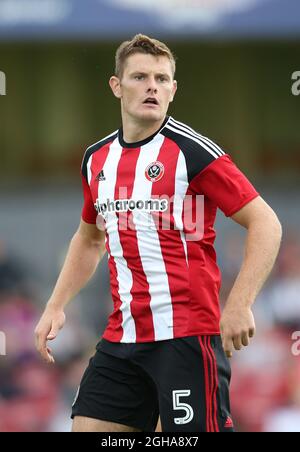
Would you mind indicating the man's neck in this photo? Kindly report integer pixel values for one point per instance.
(138, 131)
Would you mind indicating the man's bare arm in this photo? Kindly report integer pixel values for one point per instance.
(86, 250)
(262, 246)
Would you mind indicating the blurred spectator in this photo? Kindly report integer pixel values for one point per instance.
(283, 295)
(259, 382)
(286, 418)
(12, 274)
(264, 397)
(34, 396)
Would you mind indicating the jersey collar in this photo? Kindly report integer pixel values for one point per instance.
(138, 144)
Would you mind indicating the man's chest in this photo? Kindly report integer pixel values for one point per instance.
(136, 174)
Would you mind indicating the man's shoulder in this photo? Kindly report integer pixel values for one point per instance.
(198, 150)
(102, 142)
(98, 145)
(190, 140)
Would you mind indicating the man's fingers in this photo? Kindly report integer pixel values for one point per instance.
(46, 353)
(41, 346)
(251, 332)
(237, 328)
(43, 351)
(245, 339)
(40, 341)
(47, 329)
(228, 346)
(41, 333)
(56, 325)
(54, 331)
(50, 356)
(237, 342)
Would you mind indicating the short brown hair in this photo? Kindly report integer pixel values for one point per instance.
(141, 44)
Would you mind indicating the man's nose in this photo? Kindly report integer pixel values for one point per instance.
(152, 87)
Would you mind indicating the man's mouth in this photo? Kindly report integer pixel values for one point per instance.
(151, 100)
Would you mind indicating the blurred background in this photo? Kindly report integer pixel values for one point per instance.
(237, 73)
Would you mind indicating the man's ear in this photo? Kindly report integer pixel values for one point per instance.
(174, 90)
(115, 85)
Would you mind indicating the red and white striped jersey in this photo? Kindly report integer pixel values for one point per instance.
(157, 201)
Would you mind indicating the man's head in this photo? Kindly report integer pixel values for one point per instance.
(144, 79)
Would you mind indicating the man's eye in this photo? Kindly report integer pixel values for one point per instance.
(139, 77)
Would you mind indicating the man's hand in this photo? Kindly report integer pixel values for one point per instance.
(237, 328)
(47, 329)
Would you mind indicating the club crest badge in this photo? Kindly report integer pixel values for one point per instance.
(154, 171)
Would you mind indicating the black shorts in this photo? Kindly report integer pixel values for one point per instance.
(185, 381)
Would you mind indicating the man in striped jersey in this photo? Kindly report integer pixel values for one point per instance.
(151, 193)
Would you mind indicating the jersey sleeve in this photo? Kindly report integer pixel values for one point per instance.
(223, 183)
(89, 213)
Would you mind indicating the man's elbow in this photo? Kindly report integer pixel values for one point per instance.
(277, 227)
(271, 223)
(88, 240)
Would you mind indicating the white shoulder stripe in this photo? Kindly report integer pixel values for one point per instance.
(192, 132)
(185, 134)
(89, 147)
(188, 129)
(102, 139)
(89, 171)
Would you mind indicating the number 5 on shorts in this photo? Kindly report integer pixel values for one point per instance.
(177, 405)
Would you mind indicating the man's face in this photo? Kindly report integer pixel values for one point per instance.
(146, 87)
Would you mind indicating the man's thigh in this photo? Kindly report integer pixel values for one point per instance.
(114, 393)
(193, 377)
